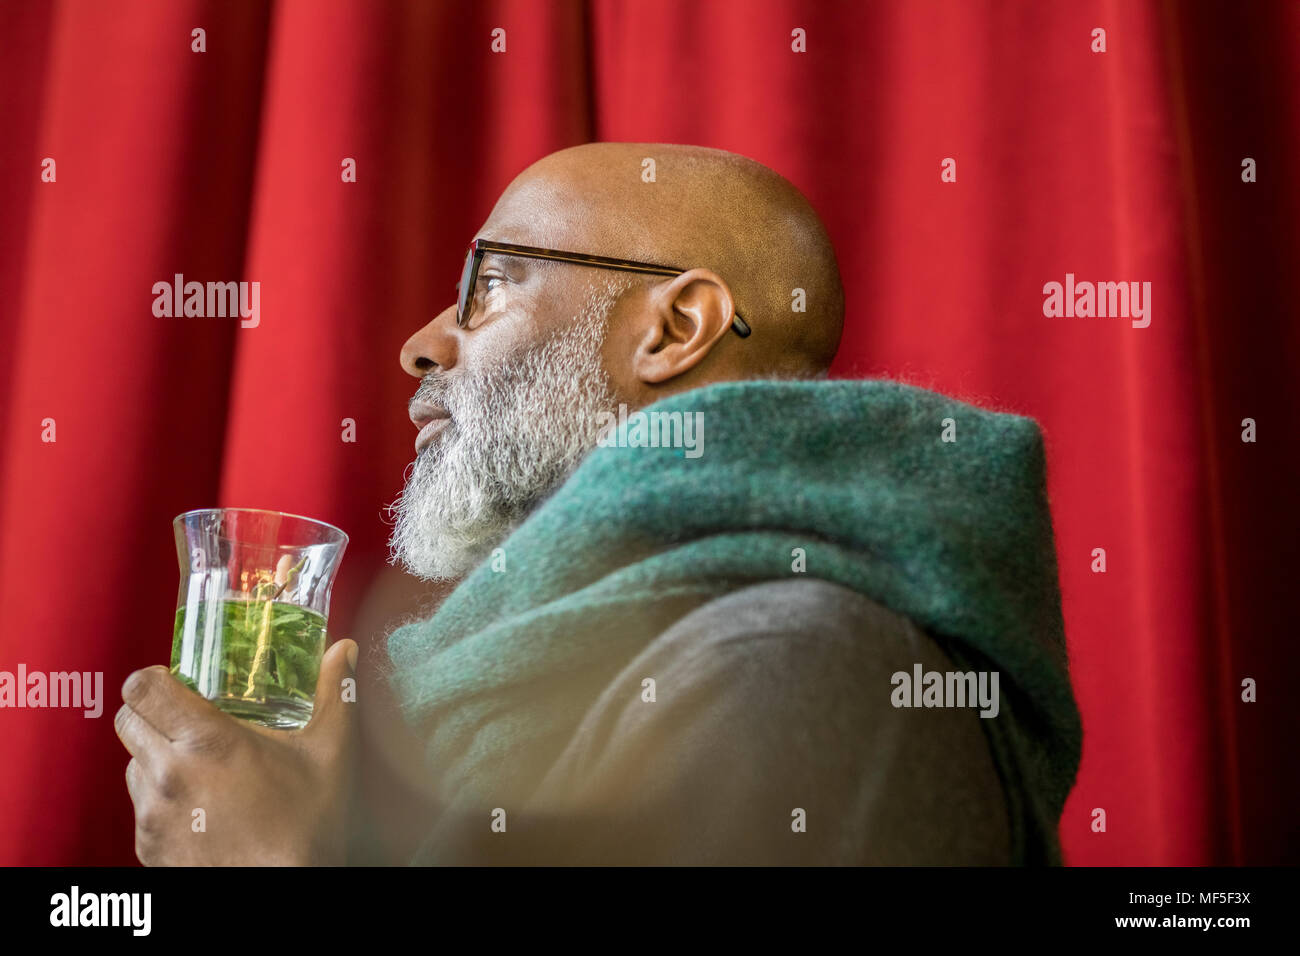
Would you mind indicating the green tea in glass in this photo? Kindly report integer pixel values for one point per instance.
(250, 619)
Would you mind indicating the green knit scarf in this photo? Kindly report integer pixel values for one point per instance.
(954, 534)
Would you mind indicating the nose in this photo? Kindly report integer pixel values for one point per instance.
(434, 346)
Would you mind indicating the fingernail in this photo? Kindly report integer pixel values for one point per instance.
(352, 656)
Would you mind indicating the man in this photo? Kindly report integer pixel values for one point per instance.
(712, 608)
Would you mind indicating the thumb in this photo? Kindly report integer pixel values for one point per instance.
(335, 701)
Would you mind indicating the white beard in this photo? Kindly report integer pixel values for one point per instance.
(516, 433)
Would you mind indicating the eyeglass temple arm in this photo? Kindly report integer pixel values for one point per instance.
(739, 325)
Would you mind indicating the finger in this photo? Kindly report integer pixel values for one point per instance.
(334, 702)
(136, 782)
(166, 704)
(141, 740)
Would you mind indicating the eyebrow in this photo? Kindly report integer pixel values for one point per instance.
(502, 261)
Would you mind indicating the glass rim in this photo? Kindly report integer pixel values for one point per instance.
(264, 511)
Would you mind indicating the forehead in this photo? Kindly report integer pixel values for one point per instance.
(547, 211)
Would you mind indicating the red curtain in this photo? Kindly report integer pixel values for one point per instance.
(1122, 165)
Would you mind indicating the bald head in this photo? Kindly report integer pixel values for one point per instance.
(693, 208)
(520, 378)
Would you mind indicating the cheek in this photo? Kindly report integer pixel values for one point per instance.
(546, 306)
(526, 322)
(511, 331)
(618, 353)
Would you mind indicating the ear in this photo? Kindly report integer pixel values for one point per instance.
(688, 315)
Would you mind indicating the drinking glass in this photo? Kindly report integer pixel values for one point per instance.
(251, 612)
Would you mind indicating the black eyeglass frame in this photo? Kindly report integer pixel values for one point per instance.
(481, 247)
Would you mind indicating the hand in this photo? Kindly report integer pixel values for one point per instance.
(269, 797)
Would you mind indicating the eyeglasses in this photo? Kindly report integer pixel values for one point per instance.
(480, 247)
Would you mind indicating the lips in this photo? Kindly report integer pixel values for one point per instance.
(430, 420)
